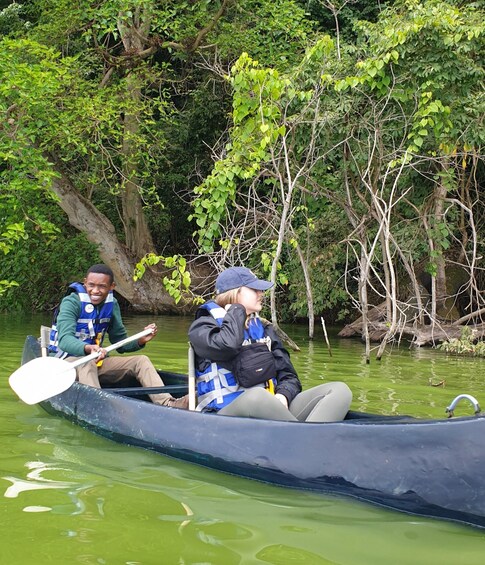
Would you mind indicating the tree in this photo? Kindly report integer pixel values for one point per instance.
(383, 138)
(275, 149)
(100, 128)
(423, 73)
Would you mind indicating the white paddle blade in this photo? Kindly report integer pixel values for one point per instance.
(42, 378)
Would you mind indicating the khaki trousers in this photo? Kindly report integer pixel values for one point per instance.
(115, 369)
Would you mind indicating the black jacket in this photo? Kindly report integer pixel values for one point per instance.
(222, 344)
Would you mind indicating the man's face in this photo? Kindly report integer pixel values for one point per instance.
(98, 287)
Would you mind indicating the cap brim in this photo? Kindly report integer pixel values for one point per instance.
(259, 285)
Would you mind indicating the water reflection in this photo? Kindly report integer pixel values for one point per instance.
(34, 480)
(195, 515)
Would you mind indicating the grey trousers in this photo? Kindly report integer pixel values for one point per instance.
(115, 369)
(328, 402)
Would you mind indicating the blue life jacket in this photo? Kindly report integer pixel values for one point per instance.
(216, 386)
(91, 325)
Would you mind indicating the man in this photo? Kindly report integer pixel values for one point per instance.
(84, 317)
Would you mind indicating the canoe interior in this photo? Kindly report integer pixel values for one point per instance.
(176, 384)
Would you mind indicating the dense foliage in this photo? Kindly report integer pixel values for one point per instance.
(337, 147)
(117, 105)
(390, 132)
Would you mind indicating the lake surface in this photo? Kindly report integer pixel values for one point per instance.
(72, 497)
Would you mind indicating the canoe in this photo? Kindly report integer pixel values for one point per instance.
(432, 468)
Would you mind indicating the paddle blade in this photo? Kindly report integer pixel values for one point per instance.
(41, 379)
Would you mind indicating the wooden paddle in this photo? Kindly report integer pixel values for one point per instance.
(44, 377)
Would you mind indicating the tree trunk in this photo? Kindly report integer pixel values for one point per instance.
(421, 335)
(137, 235)
(364, 269)
(274, 265)
(391, 286)
(440, 279)
(309, 293)
(147, 294)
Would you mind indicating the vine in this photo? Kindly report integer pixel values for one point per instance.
(178, 283)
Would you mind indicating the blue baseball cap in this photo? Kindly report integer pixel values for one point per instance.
(236, 277)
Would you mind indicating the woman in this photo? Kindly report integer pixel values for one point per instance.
(242, 368)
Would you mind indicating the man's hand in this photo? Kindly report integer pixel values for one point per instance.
(94, 348)
(148, 337)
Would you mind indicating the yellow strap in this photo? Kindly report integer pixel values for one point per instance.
(270, 386)
(97, 341)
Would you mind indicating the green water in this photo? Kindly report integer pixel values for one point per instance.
(72, 497)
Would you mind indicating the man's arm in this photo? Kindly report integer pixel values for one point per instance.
(69, 312)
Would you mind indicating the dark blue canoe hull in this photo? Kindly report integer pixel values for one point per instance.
(431, 468)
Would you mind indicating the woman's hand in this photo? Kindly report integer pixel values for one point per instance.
(282, 398)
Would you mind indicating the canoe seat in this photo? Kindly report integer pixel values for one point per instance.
(45, 332)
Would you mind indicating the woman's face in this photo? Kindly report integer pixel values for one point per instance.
(251, 299)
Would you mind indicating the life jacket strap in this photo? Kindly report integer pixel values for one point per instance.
(222, 388)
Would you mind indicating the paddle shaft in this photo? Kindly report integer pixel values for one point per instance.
(116, 345)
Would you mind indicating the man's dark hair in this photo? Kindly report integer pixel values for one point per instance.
(101, 269)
